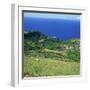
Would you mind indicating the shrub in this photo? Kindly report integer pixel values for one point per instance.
(74, 55)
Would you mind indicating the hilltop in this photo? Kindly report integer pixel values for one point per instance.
(42, 45)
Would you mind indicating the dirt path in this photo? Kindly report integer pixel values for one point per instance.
(53, 51)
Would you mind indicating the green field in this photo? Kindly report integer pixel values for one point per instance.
(34, 67)
(47, 56)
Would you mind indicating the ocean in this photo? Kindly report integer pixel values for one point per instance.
(60, 28)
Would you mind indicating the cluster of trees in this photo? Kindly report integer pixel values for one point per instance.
(37, 41)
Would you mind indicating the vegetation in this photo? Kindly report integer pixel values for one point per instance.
(47, 67)
(49, 56)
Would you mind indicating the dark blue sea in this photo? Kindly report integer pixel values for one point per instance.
(60, 28)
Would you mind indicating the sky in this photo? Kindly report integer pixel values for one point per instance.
(62, 26)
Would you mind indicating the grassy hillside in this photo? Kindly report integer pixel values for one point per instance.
(34, 67)
(49, 56)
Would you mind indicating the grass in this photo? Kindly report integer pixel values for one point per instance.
(45, 56)
(34, 67)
